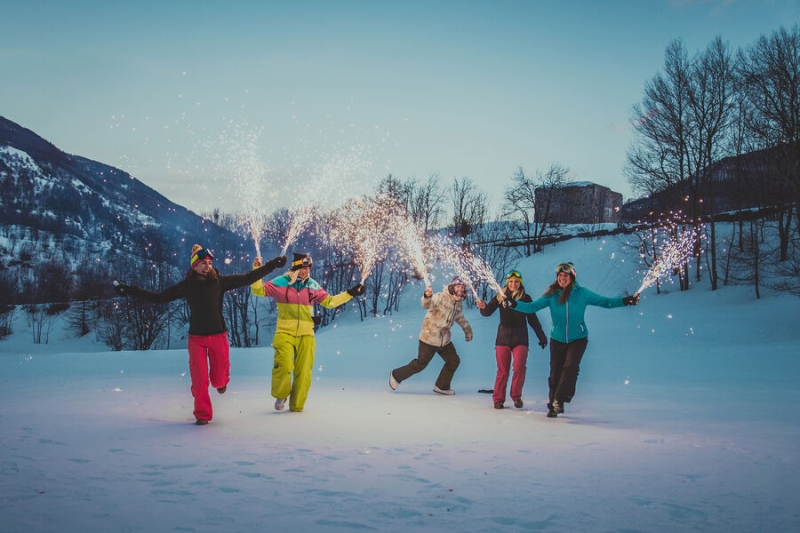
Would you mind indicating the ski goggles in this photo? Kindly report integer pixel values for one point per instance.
(514, 274)
(566, 268)
(202, 254)
(305, 262)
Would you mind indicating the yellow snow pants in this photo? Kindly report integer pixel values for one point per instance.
(291, 373)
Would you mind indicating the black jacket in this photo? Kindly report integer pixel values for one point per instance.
(513, 329)
(204, 297)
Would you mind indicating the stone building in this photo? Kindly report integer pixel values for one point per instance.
(580, 202)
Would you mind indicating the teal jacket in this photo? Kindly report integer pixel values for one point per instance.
(568, 323)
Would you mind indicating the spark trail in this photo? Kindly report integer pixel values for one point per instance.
(674, 254)
(411, 241)
(360, 227)
(299, 219)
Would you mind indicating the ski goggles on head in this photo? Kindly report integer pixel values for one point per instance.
(514, 274)
(305, 262)
(566, 268)
(203, 253)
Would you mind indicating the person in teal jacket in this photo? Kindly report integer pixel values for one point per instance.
(568, 335)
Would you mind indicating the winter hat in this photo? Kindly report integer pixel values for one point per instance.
(456, 281)
(514, 274)
(567, 268)
(301, 261)
(199, 253)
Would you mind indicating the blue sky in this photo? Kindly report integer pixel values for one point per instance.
(327, 97)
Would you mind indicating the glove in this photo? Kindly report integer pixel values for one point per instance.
(509, 303)
(357, 290)
(122, 290)
(277, 262)
(543, 344)
(631, 300)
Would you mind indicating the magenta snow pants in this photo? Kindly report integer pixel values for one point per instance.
(209, 362)
(504, 355)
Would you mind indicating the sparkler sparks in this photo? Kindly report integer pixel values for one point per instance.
(360, 228)
(299, 219)
(674, 254)
(411, 241)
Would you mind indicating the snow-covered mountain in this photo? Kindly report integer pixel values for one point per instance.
(63, 208)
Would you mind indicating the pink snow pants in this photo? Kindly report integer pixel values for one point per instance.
(504, 355)
(209, 363)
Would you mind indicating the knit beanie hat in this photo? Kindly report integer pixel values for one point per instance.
(199, 253)
(301, 261)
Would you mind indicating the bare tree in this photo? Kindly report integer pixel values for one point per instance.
(520, 205)
(712, 105)
(657, 160)
(770, 76)
(470, 207)
(7, 302)
(549, 183)
(682, 124)
(425, 204)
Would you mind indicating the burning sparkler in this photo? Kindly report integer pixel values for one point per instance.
(299, 219)
(674, 254)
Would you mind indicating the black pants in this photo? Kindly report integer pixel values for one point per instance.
(565, 364)
(424, 356)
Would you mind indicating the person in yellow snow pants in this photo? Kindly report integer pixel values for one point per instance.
(295, 294)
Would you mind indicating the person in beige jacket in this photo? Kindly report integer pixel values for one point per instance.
(444, 309)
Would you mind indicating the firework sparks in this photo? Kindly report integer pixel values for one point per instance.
(673, 256)
(360, 228)
(299, 219)
(411, 240)
(248, 173)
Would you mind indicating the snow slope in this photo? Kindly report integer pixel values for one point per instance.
(685, 419)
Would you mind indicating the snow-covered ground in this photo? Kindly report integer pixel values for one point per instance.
(686, 419)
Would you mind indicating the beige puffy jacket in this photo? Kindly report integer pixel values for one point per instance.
(444, 309)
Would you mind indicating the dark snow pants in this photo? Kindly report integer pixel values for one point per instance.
(424, 356)
(565, 364)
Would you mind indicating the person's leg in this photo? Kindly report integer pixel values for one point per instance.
(558, 353)
(520, 367)
(425, 353)
(198, 370)
(451, 362)
(570, 370)
(219, 358)
(303, 365)
(503, 356)
(283, 366)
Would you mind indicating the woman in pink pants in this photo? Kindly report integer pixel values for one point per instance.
(512, 340)
(209, 353)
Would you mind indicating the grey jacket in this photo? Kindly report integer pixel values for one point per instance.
(444, 309)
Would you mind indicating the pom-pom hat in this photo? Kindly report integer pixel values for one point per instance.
(199, 253)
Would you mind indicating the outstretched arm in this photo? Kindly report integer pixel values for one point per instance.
(242, 280)
(172, 293)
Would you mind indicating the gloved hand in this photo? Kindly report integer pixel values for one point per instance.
(509, 303)
(277, 262)
(357, 290)
(543, 344)
(122, 290)
(631, 300)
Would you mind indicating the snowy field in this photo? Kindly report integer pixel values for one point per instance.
(686, 419)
